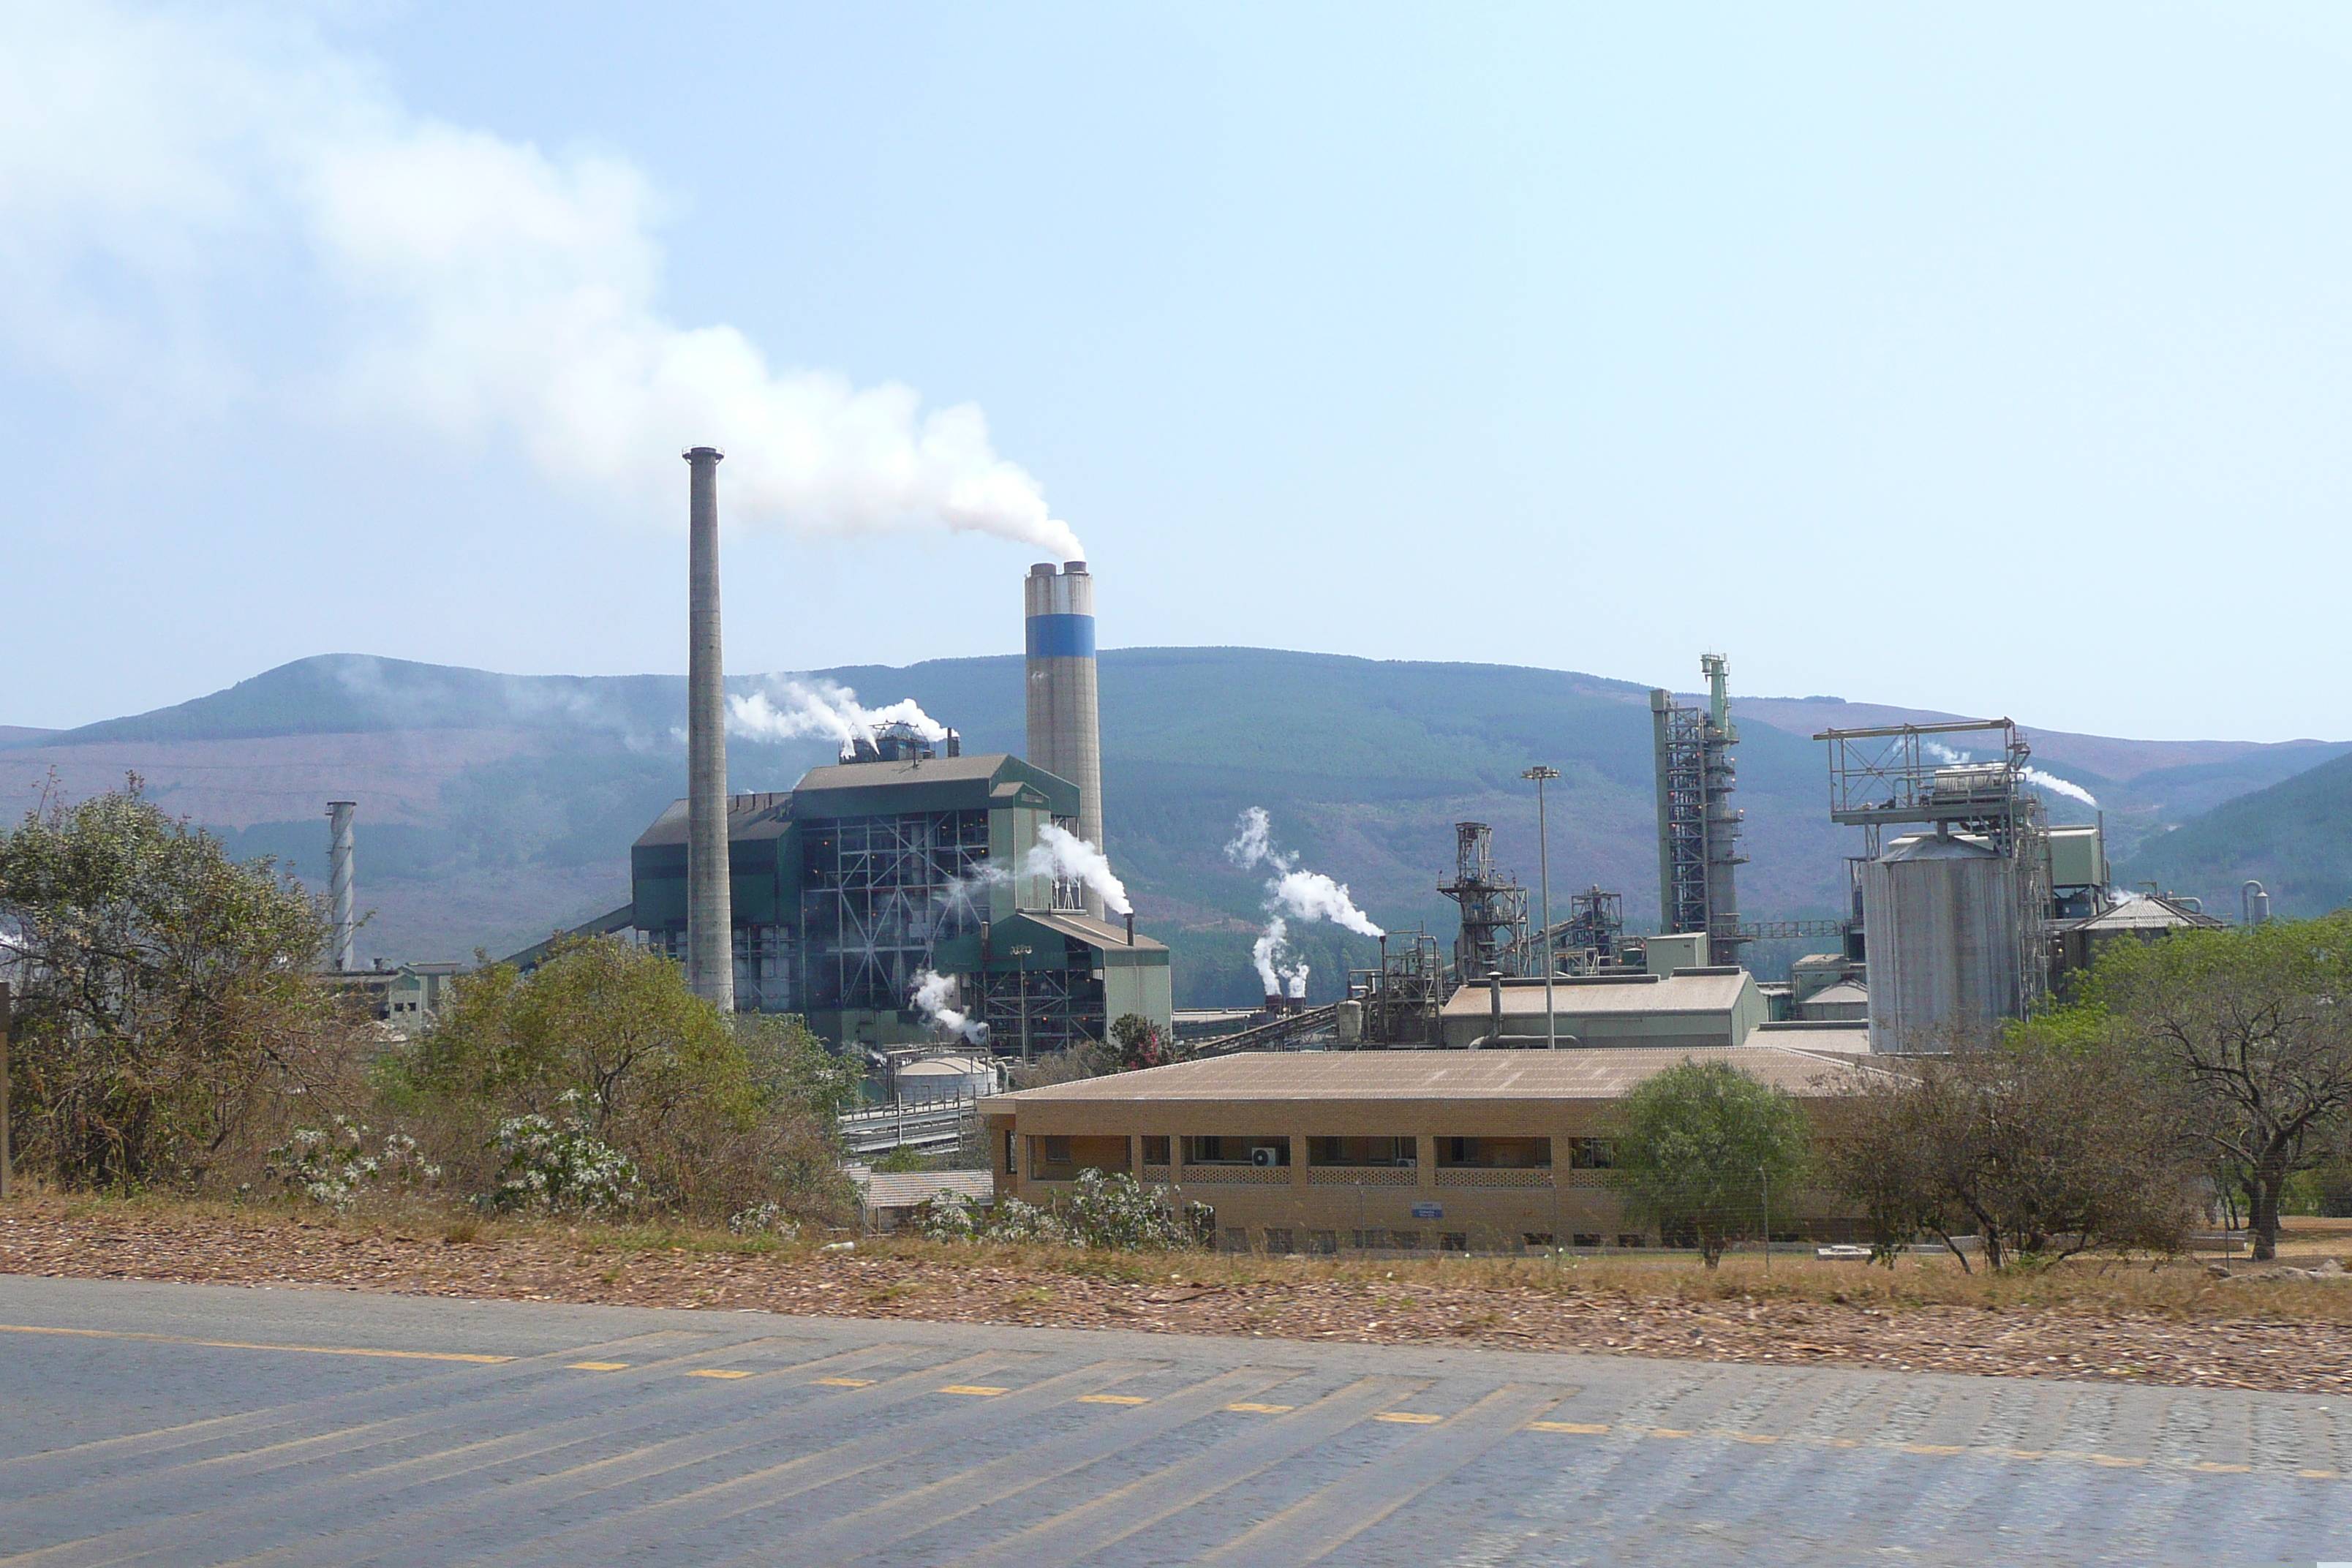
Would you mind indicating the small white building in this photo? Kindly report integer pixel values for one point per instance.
(1690, 1009)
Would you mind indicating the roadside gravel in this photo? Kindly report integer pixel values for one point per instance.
(2258, 1348)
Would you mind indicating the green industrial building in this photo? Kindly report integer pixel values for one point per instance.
(869, 875)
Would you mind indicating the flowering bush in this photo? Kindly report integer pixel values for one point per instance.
(1101, 1211)
(764, 1219)
(332, 1165)
(546, 1166)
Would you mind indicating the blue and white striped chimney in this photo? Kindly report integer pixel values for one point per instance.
(1065, 722)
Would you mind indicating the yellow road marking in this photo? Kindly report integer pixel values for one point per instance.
(1249, 1409)
(597, 1366)
(717, 1372)
(1408, 1419)
(843, 1382)
(246, 1345)
(1111, 1399)
(971, 1388)
(2111, 1461)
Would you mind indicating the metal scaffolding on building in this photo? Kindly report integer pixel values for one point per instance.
(1698, 827)
(878, 894)
(1493, 907)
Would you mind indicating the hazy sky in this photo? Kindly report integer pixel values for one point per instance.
(1993, 360)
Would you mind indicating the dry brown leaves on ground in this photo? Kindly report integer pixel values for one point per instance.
(2187, 1330)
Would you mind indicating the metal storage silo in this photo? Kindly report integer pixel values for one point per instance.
(1942, 910)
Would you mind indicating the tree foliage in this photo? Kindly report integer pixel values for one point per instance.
(2041, 1144)
(1699, 1145)
(2257, 1024)
(711, 1113)
(166, 990)
(1141, 1044)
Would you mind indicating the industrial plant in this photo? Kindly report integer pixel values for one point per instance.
(911, 897)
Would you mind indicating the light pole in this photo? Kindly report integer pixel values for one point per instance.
(1543, 776)
(1020, 961)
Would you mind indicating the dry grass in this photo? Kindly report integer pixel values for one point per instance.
(2107, 1319)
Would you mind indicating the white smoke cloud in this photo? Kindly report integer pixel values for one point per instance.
(1307, 895)
(1253, 843)
(934, 996)
(786, 709)
(1268, 956)
(2047, 780)
(218, 207)
(1312, 896)
(1061, 853)
(2057, 785)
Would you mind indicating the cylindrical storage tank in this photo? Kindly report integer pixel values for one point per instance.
(948, 1077)
(1941, 910)
(1064, 718)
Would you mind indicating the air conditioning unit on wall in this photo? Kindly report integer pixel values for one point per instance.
(1265, 1156)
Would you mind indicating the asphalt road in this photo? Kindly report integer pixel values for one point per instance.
(168, 1424)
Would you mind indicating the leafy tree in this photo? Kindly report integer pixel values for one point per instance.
(1698, 1144)
(1140, 1044)
(2049, 1142)
(2258, 1024)
(714, 1112)
(166, 990)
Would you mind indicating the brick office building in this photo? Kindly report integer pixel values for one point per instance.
(1409, 1150)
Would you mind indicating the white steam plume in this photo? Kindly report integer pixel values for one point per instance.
(1061, 853)
(1253, 842)
(1312, 896)
(2049, 782)
(934, 995)
(1307, 895)
(2066, 788)
(1267, 955)
(218, 207)
(785, 708)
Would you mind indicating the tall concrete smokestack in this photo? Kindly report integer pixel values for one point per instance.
(341, 893)
(1065, 722)
(709, 901)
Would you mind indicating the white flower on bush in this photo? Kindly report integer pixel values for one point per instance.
(332, 1165)
(546, 1166)
(765, 1219)
(1100, 1211)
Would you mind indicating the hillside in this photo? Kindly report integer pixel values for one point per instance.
(2295, 838)
(494, 808)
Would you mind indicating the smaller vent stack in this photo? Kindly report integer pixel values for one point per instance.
(341, 896)
(710, 897)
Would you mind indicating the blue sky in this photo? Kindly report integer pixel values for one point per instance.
(1991, 361)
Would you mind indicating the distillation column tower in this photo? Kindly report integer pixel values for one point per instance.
(1064, 715)
(1698, 827)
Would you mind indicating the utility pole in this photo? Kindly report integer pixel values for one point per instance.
(1021, 963)
(1543, 776)
(1765, 1175)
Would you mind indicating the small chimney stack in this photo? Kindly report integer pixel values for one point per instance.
(342, 895)
(1130, 928)
(710, 898)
